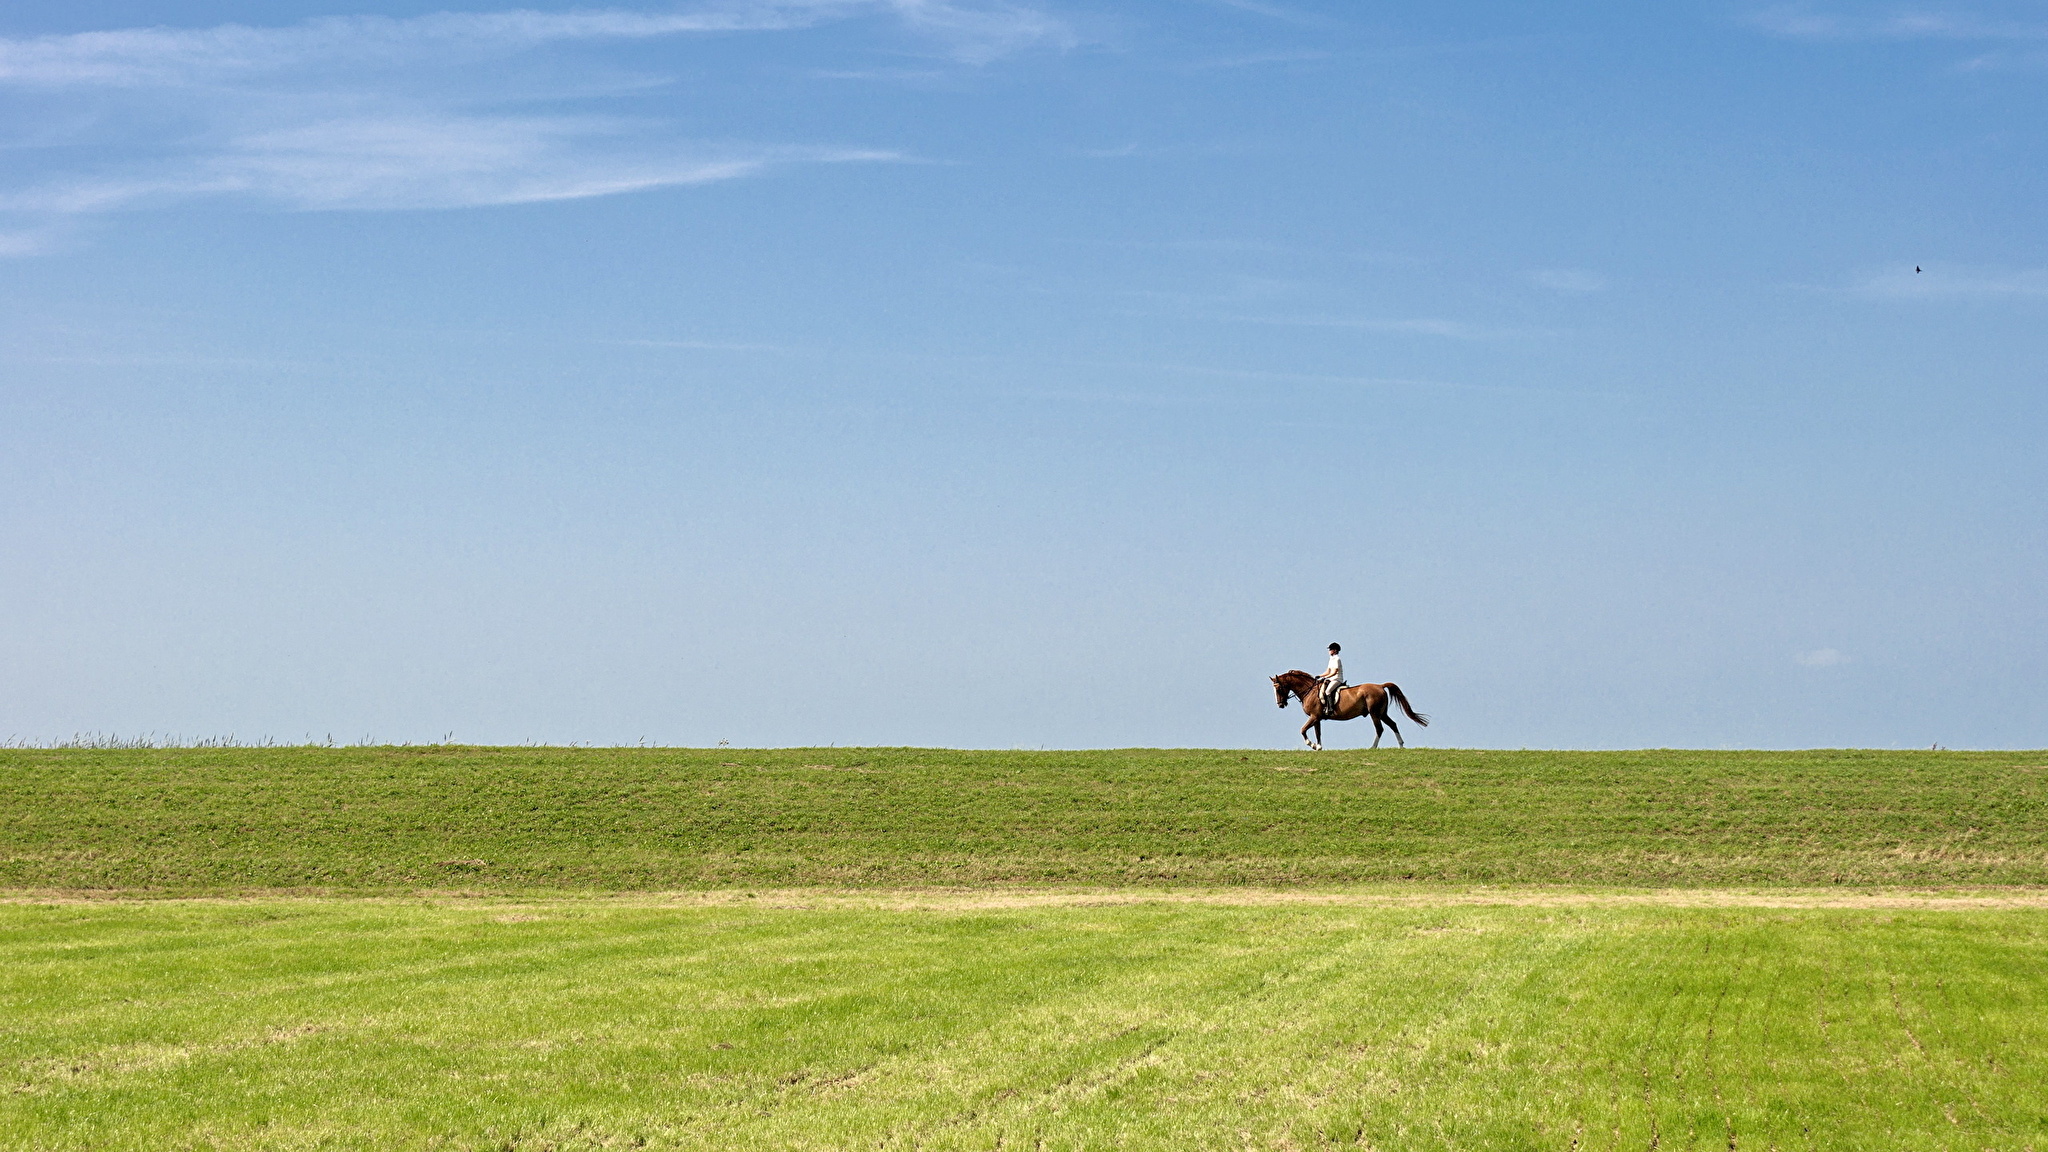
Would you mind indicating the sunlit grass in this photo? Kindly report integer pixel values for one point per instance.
(279, 1024)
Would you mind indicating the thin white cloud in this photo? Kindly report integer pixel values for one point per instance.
(699, 345)
(1419, 326)
(1260, 59)
(137, 57)
(1807, 24)
(30, 241)
(978, 34)
(1568, 280)
(1136, 151)
(422, 161)
(892, 75)
(1119, 152)
(158, 56)
(1232, 247)
(1326, 378)
(1904, 283)
(412, 160)
(1822, 658)
(379, 113)
(1280, 12)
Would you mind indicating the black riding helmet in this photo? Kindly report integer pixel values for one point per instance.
(1334, 647)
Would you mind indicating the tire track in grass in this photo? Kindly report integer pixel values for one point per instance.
(923, 1079)
(1102, 1042)
(83, 1070)
(1126, 1045)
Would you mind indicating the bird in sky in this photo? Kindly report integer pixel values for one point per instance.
(1916, 268)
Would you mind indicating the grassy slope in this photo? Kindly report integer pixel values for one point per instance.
(389, 1024)
(511, 819)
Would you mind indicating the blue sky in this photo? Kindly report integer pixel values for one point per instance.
(1006, 374)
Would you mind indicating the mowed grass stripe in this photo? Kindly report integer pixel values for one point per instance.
(509, 819)
(580, 1024)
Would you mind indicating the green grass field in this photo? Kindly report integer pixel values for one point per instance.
(471, 949)
(564, 1024)
(509, 819)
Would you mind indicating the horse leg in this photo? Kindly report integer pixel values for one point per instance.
(1312, 723)
(1376, 732)
(1397, 731)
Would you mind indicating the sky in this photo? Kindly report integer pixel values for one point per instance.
(1016, 375)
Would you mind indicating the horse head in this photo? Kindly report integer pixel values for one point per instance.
(1290, 683)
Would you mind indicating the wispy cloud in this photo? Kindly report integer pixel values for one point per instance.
(1997, 44)
(1136, 151)
(30, 241)
(699, 345)
(971, 32)
(1227, 247)
(1281, 12)
(1260, 59)
(892, 75)
(1822, 658)
(425, 161)
(1953, 283)
(979, 34)
(1578, 280)
(380, 113)
(1253, 374)
(152, 57)
(1418, 326)
(1806, 23)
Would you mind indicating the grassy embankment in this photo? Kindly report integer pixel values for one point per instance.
(509, 819)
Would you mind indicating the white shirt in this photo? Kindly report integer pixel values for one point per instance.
(1336, 668)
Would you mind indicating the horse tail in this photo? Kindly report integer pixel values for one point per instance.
(1394, 690)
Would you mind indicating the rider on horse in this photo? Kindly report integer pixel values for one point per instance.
(1331, 680)
(1319, 701)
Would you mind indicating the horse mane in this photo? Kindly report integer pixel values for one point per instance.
(1296, 681)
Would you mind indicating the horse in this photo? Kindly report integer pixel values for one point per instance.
(1353, 701)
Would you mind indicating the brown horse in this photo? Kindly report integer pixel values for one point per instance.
(1353, 701)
